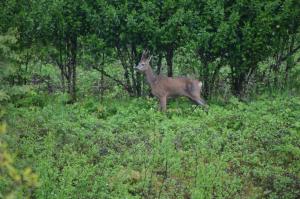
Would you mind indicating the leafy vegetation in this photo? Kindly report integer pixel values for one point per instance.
(118, 149)
(235, 36)
(14, 182)
(77, 121)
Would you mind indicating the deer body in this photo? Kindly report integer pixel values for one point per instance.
(164, 87)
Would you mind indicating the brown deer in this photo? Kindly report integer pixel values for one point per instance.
(164, 87)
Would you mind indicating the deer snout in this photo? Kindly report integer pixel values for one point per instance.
(139, 67)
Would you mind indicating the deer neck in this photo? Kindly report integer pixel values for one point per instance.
(150, 76)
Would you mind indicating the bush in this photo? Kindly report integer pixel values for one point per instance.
(15, 182)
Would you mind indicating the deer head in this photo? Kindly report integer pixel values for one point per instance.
(144, 63)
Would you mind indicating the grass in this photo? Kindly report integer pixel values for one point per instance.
(125, 148)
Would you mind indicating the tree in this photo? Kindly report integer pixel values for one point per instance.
(174, 20)
(212, 35)
(15, 182)
(241, 34)
(68, 22)
(128, 27)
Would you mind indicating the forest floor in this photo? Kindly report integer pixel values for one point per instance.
(125, 148)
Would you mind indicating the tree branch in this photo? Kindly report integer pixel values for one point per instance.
(283, 58)
(111, 77)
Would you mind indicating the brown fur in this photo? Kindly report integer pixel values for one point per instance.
(164, 87)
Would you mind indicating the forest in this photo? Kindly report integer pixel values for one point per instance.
(77, 120)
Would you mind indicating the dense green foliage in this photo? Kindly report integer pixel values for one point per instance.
(235, 36)
(77, 121)
(126, 149)
(15, 182)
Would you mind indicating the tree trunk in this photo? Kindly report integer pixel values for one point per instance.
(276, 69)
(138, 84)
(134, 83)
(102, 79)
(126, 76)
(73, 91)
(289, 61)
(73, 64)
(169, 58)
(126, 71)
(136, 75)
(159, 63)
(62, 69)
(69, 76)
(238, 84)
(206, 86)
(212, 86)
(62, 78)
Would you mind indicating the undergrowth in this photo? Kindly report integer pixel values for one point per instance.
(125, 148)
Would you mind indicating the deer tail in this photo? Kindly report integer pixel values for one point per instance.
(201, 101)
(200, 85)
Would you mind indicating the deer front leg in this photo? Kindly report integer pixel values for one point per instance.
(163, 103)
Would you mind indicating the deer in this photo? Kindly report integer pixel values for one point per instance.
(164, 87)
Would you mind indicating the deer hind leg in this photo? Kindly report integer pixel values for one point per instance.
(163, 103)
(193, 93)
(198, 100)
(202, 103)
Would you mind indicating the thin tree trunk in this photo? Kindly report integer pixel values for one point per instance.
(69, 78)
(159, 63)
(169, 58)
(102, 79)
(238, 84)
(26, 66)
(73, 93)
(68, 66)
(138, 84)
(62, 77)
(62, 70)
(213, 79)
(289, 61)
(73, 66)
(126, 71)
(132, 72)
(276, 70)
(138, 78)
(206, 86)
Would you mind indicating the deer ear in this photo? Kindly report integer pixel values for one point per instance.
(143, 53)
